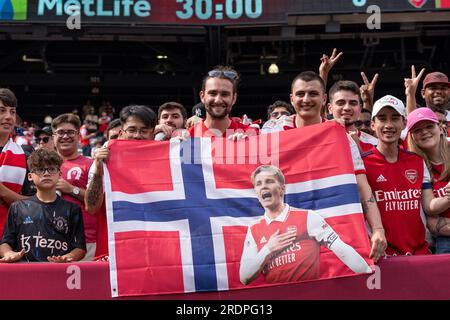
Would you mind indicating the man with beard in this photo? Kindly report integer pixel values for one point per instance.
(345, 104)
(285, 243)
(219, 94)
(435, 90)
(171, 121)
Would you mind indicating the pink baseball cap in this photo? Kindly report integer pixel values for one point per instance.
(420, 114)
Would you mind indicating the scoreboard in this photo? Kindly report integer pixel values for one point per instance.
(196, 12)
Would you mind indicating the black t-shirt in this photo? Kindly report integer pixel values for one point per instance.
(44, 229)
(28, 188)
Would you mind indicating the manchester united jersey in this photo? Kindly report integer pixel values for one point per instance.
(397, 188)
(44, 229)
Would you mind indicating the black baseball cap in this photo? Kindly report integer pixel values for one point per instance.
(46, 130)
(199, 110)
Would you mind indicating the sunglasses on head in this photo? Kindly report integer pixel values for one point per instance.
(359, 123)
(44, 140)
(227, 74)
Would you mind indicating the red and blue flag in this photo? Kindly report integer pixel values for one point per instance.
(178, 212)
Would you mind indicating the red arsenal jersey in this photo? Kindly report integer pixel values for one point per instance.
(366, 141)
(300, 261)
(439, 186)
(200, 130)
(397, 188)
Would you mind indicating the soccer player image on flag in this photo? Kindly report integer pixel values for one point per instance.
(285, 244)
(179, 211)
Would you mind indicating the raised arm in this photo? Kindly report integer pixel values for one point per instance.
(93, 199)
(411, 85)
(367, 91)
(327, 64)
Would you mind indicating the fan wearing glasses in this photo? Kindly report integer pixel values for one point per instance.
(74, 172)
(219, 94)
(279, 108)
(364, 121)
(43, 138)
(44, 227)
(138, 123)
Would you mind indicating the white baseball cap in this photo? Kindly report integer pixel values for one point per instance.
(389, 101)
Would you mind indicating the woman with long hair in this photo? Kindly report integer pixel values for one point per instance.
(427, 139)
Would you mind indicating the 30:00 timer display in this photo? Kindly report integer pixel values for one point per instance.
(205, 9)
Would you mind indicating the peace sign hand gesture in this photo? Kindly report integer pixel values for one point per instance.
(367, 90)
(327, 63)
(412, 83)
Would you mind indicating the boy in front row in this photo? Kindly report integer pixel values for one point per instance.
(44, 227)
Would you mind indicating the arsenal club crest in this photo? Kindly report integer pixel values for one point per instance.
(411, 175)
(418, 3)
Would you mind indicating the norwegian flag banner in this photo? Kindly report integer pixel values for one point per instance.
(178, 212)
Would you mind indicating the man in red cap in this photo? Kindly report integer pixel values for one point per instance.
(435, 90)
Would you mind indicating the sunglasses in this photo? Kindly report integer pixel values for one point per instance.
(227, 74)
(359, 123)
(44, 140)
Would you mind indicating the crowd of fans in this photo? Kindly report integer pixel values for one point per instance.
(399, 150)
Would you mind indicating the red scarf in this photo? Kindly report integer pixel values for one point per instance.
(12, 173)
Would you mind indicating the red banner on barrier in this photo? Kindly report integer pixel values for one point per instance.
(398, 278)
